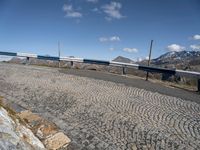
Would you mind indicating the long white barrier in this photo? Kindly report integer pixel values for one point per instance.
(188, 73)
(120, 64)
(27, 55)
(72, 59)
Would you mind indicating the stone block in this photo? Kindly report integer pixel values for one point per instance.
(57, 141)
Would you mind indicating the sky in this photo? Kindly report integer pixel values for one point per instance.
(99, 29)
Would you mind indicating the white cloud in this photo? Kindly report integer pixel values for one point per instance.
(92, 1)
(175, 48)
(114, 38)
(111, 49)
(131, 50)
(70, 12)
(103, 39)
(196, 37)
(109, 39)
(113, 10)
(195, 47)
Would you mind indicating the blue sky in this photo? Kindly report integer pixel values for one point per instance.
(99, 29)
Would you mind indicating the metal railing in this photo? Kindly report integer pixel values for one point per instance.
(177, 72)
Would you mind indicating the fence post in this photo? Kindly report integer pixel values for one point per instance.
(59, 54)
(71, 63)
(27, 60)
(123, 71)
(147, 76)
(198, 85)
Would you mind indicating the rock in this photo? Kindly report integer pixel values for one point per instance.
(134, 147)
(45, 129)
(57, 141)
(41, 127)
(29, 117)
(14, 135)
(28, 136)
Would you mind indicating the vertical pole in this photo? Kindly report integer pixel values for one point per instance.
(198, 85)
(147, 76)
(59, 54)
(27, 60)
(123, 71)
(71, 63)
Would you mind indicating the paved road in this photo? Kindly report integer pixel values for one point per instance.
(98, 114)
(136, 82)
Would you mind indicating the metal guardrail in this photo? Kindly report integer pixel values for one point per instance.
(190, 74)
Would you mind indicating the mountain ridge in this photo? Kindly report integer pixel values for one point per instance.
(176, 57)
(123, 59)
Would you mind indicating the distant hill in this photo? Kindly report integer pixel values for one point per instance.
(123, 59)
(185, 60)
(177, 58)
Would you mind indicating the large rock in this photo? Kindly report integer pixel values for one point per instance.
(14, 135)
(57, 141)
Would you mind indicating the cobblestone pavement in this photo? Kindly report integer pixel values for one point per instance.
(98, 114)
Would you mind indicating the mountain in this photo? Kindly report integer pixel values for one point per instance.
(177, 57)
(123, 59)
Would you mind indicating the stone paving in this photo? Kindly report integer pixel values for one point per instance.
(98, 114)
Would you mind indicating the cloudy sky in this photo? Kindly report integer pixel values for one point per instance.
(99, 29)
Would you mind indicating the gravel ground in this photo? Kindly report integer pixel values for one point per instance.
(98, 114)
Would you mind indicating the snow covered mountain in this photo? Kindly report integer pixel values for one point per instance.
(177, 57)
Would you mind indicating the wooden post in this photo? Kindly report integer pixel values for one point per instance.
(147, 76)
(59, 54)
(123, 71)
(27, 60)
(198, 85)
(71, 63)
